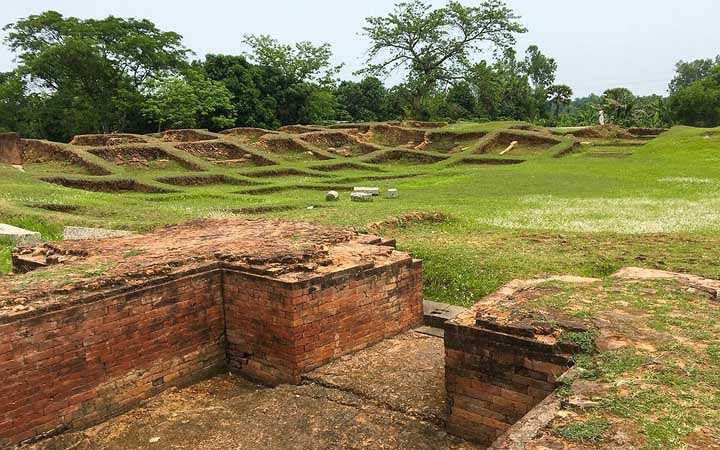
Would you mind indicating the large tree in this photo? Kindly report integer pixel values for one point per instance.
(436, 46)
(252, 88)
(190, 101)
(99, 64)
(301, 77)
(300, 62)
(698, 104)
(686, 73)
(620, 105)
(365, 100)
(539, 67)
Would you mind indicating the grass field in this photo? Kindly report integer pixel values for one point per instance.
(588, 213)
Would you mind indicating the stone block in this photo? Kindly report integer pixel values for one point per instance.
(392, 193)
(375, 191)
(332, 196)
(83, 234)
(435, 314)
(361, 197)
(19, 236)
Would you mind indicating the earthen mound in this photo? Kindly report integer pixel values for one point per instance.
(107, 139)
(188, 135)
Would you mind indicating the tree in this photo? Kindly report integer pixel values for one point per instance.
(300, 62)
(517, 99)
(619, 103)
(435, 46)
(686, 73)
(13, 101)
(457, 103)
(698, 104)
(299, 77)
(559, 95)
(96, 64)
(487, 87)
(251, 86)
(191, 101)
(539, 67)
(363, 101)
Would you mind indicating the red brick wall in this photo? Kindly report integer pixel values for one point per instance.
(77, 366)
(277, 334)
(493, 379)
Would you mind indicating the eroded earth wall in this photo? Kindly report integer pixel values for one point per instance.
(10, 149)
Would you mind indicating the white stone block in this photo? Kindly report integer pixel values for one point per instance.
(367, 190)
(19, 236)
(361, 197)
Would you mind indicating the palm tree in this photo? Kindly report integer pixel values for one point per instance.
(559, 95)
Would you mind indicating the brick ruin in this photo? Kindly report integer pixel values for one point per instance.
(110, 323)
(501, 361)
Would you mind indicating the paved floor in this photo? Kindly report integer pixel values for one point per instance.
(390, 396)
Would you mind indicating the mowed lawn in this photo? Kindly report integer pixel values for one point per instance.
(587, 213)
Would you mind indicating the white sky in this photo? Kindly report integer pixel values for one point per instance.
(598, 44)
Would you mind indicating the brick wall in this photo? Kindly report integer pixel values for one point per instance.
(77, 366)
(494, 378)
(85, 362)
(275, 335)
(10, 149)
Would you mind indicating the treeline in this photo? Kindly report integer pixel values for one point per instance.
(102, 75)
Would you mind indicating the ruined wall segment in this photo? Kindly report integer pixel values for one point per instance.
(110, 323)
(275, 335)
(73, 367)
(502, 360)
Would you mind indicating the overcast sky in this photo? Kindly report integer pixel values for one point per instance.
(597, 43)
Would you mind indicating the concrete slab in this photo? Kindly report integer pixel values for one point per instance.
(406, 373)
(82, 233)
(431, 331)
(435, 314)
(19, 236)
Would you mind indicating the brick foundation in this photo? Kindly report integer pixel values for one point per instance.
(277, 334)
(496, 372)
(72, 366)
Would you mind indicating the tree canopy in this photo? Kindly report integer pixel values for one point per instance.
(189, 101)
(104, 61)
(459, 63)
(436, 45)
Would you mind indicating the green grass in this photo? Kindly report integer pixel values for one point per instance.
(589, 431)
(5, 262)
(658, 387)
(589, 216)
